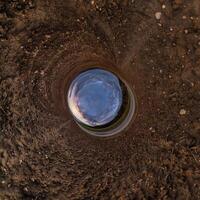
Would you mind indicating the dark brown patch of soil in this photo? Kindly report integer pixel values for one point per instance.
(44, 155)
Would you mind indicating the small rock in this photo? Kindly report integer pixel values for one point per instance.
(42, 73)
(48, 36)
(182, 112)
(158, 15)
(152, 129)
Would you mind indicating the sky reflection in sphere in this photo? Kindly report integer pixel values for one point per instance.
(95, 97)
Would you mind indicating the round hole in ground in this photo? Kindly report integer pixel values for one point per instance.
(101, 103)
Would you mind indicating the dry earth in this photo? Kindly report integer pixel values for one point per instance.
(155, 44)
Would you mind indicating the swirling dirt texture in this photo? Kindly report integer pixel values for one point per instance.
(154, 45)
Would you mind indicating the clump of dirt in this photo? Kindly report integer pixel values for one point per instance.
(9, 10)
(155, 45)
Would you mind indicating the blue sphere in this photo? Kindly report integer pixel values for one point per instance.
(95, 97)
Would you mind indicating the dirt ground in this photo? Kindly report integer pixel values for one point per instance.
(155, 44)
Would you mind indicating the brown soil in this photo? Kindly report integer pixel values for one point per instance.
(43, 153)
